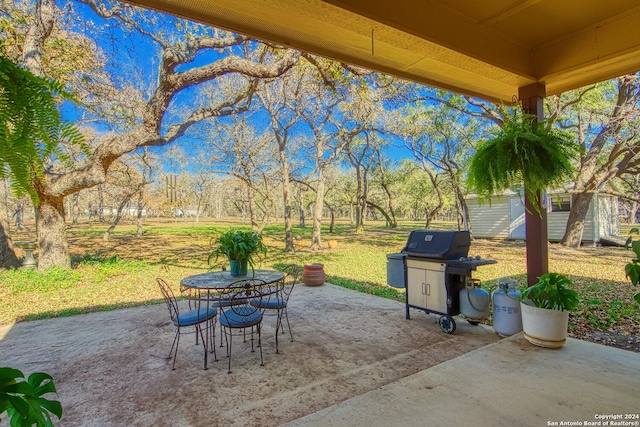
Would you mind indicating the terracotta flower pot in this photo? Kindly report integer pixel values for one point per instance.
(313, 274)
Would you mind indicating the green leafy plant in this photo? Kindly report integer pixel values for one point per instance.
(23, 401)
(552, 292)
(525, 152)
(31, 128)
(237, 245)
(632, 269)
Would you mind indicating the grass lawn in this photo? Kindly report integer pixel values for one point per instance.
(121, 272)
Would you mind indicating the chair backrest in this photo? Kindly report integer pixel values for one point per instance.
(169, 298)
(241, 297)
(292, 273)
(190, 295)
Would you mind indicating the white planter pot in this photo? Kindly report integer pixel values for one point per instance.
(544, 327)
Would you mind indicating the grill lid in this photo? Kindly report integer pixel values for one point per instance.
(438, 244)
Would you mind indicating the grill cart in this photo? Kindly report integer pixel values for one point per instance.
(434, 267)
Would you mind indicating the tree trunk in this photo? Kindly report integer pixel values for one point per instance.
(52, 233)
(116, 219)
(100, 203)
(380, 209)
(316, 240)
(392, 222)
(36, 36)
(466, 224)
(301, 213)
(8, 258)
(139, 231)
(360, 202)
(333, 219)
(633, 212)
(19, 215)
(252, 208)
(286, 199)
(575, 224)
(75, 211)
(351, 212)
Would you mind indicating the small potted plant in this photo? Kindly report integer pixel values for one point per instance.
(632, 270)
(239, 247)
(545, 310)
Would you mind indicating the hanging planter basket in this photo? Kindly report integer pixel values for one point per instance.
(525, 152)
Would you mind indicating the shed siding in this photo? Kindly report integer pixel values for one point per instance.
(608, 217)
(557, 224)
(493, 220)
(490, 221)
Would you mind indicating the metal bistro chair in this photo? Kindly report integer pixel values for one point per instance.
(237, 314)
(194, 317)
(213, 297)
(195, 298)
(280, 299)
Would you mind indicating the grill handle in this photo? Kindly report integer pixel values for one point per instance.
(427, 288)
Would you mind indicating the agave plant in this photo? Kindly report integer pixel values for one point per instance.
(525, 152)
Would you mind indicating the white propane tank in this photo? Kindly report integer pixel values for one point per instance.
(507, 319)
(474, 302)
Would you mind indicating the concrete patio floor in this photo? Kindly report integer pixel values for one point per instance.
(355, 361)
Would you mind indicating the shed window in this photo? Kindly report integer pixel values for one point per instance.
(561, 204)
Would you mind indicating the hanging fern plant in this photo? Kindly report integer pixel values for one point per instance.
(31, 128)
(525, 152)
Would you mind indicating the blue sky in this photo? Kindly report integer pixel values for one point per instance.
(134, 58)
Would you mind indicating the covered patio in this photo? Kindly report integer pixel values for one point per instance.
(355, 360)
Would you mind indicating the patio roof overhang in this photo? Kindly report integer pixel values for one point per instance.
(487, 49)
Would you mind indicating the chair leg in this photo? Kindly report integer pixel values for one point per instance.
(278, 325)
(212, 339)
(286, 315)
(176, 341)
(259, 344)
(204, 343)
(229, 341)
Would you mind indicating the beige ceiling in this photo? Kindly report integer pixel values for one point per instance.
(484, 48)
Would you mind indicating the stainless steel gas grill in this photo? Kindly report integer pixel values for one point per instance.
(434, 267)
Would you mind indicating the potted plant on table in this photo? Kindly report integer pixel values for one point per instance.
(545, 310)
(240, 247)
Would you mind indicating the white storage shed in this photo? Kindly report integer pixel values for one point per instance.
(503, 218)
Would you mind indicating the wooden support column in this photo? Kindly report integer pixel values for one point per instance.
(537, 241)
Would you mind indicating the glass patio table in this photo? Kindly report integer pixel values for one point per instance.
(215, 282)
(219, 280)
